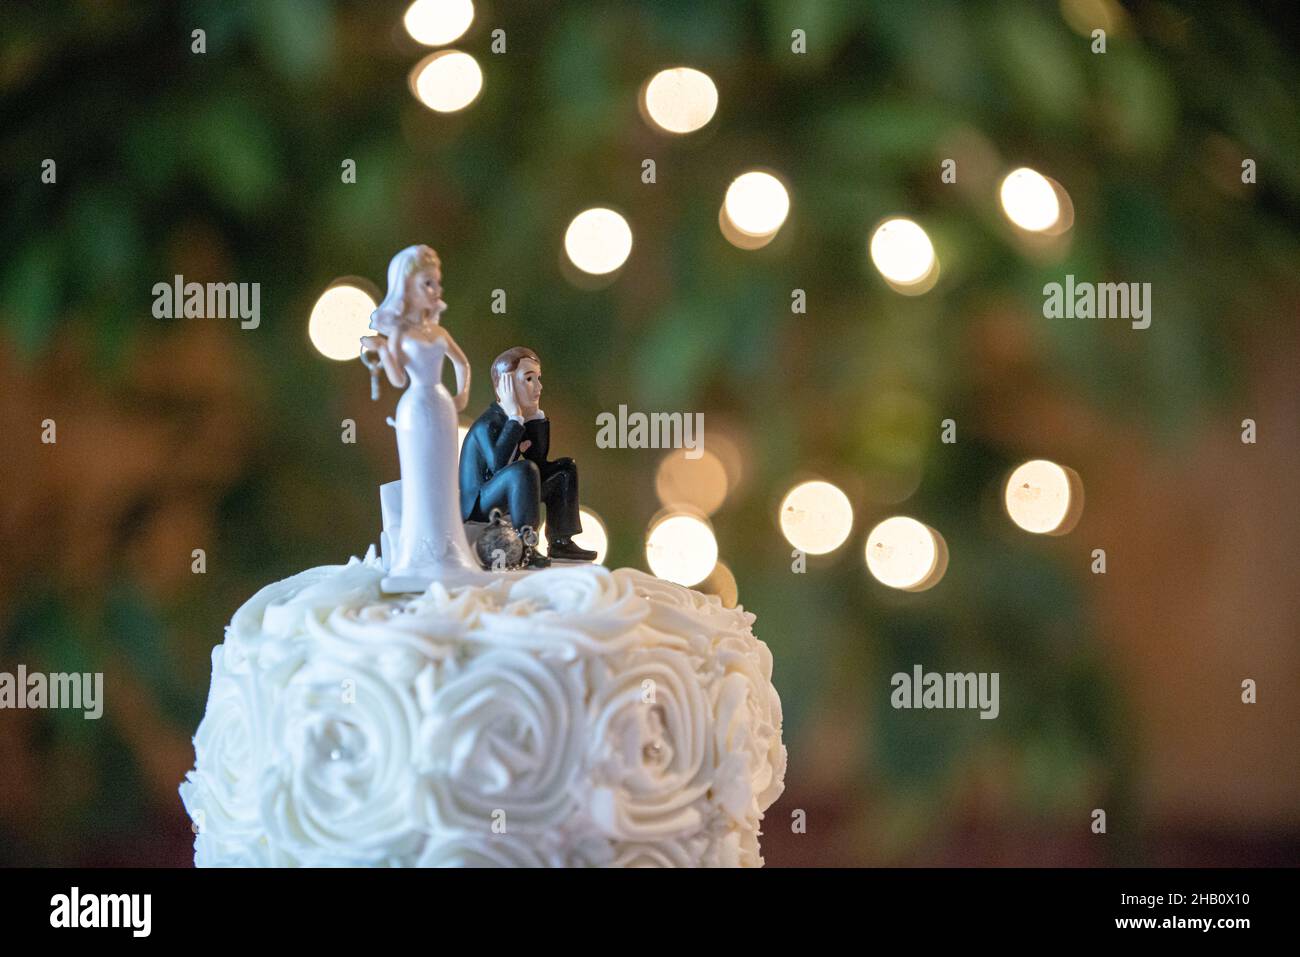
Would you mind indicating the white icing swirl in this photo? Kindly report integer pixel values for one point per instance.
(747, 731)
(573, 611)
(221, 794)
(501, 743)
(663, 853)
(572, 717)
(651, 748)
(480, 850)
(341, 786)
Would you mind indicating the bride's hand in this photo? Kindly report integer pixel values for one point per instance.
(462, 400)
(386, 348)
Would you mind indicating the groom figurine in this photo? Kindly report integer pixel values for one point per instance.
(503, 462)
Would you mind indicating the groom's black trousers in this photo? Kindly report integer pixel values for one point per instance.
(521, 487)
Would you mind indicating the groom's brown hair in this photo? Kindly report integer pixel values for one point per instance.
(508, 362)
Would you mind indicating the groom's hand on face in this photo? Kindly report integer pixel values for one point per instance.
(506, 396)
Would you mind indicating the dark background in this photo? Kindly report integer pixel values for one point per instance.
(1119, 692)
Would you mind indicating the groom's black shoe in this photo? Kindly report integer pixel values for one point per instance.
(565, 550)
(539, 561)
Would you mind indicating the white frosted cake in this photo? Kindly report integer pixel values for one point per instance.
(573, 716)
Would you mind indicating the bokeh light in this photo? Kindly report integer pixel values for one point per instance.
(756, 204)
(906, 554)
(816, 517)
(1044, 498)
(594, 535)
(903, 253)
(740, 239)
(598, 241)
(447, 81)
(435, 22)
(1029, 200)
(1065, 218)
(700, 483)
(339, 319)
(679, 100)
(1084, 16)
(680, 548)
(721, 582)
(728, 444)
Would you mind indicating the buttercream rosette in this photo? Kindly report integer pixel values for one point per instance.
(573, 716)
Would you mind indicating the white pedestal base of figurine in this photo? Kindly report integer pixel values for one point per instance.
(390, 507)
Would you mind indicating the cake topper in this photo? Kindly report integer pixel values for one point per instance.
(503, 463)
(421, 520)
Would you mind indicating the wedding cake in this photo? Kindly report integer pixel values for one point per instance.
(427, 707)
(573, 716)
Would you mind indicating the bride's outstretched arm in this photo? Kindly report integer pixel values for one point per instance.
(461, 365)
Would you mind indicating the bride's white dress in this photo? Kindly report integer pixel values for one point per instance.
(431, 542)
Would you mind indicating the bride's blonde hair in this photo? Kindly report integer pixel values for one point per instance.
(392, 312)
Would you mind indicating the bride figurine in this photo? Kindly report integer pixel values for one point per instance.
(411, 345)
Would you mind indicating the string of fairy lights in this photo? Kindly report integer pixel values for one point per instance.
(815, 516)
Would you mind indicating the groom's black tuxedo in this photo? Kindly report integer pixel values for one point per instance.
(490, 479)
